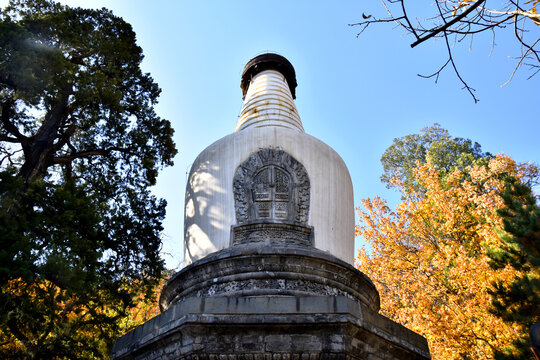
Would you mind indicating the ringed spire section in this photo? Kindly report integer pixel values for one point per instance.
(268, 88)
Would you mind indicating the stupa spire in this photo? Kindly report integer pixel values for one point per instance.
(268, 87)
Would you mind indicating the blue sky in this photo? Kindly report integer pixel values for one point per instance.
(355, 94)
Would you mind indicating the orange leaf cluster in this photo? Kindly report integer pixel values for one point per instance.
(428, 258)
(63, 316)
(146, 307)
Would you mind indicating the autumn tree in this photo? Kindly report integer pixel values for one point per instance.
(429, 261)
(446, 152)
(146, 306)
(80, 145)
(458, 22)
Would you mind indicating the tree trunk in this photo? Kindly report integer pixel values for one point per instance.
(40, 149)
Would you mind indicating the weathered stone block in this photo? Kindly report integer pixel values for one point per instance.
(293, 327)
(279, 343)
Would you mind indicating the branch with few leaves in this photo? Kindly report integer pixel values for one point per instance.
(9, 156)
(446, 26)
(462, 20)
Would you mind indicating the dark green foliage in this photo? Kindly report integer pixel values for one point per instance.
(446, 153)
(80, 144)
(518, 302)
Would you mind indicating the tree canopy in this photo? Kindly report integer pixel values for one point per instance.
(429, 257)
(456, 260)
(80, 145)
(445, 152)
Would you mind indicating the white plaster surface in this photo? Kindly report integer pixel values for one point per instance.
(268, 118)
(210, 201)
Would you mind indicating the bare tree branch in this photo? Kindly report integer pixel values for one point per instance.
(462, 20)
(523, 57)
(407, 19)
(6, 138)
(8, 156)
(7, 107)
(434, 32)
(436, 73)
(451, 59)
(366, 23)
(66, 135)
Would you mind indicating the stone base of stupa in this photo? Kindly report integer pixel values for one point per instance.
(275, 327)
(268, 302)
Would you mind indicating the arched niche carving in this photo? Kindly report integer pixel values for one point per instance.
(271, 186)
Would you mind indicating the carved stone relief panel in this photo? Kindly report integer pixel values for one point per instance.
(271, 186)
(272, 193)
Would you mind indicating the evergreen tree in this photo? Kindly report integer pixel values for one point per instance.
(519, 301)
(80, 145)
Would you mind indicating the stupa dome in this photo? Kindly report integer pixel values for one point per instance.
(268, 120)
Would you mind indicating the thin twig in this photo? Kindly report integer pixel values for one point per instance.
(466, 86)
(436, 73)
(407, 19)
(523, 56)
(451, 59)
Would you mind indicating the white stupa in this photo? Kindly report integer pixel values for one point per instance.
(268, 118)
(269, 245)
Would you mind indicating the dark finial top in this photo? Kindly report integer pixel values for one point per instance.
(268, 61)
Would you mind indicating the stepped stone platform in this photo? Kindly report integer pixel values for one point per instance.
(266, 302)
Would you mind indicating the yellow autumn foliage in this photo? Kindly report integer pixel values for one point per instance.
(78, 317)
(428, 260)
